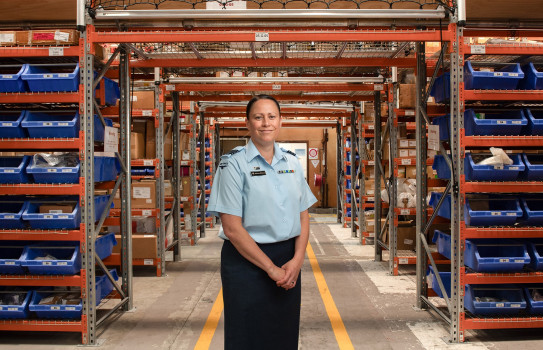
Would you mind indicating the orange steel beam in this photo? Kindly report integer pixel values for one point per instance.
(68, 143)
(172, 36)
(512, 49)
(38, 51)
(402, 62)
(42, 235)
(285, 116)
(503, 323)
(497, 33)
(240, 124)
(246, 98)
(43, 97)
(503, 95)
(274, 87)
(42, 325)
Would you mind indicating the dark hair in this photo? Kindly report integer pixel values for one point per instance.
(260, 97)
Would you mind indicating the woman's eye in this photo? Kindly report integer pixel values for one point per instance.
(271, 117)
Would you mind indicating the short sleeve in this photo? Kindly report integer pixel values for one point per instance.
(226, 194)
(307, 199)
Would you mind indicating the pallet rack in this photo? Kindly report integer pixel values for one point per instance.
(454, 313)
(85, 189)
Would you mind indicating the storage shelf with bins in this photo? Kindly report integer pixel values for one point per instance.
(56, 193)
(464, 312)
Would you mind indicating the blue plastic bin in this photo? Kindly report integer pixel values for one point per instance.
(475, 172)
(10, 124)
(348, 200)
(445, 279)
(11, 215)
(104, 285)
(492, 212)
(441, 91)
(535, 122)
(67, 262)
(16, 311)
(53, 311)
(443, 243)
(533, 80)
(533, 166)
(441, 167)
(535, 250)
(496, 255)
(13, 170)
(151, 171)
(99, 129)
(534, 307)
(52, 78)
(51, 124)
(444, 125)
(61, 220)
(10, 260)
(105, 169)
(138, 171)
(10, 78)
(104, 245)
(113, 92)
(510, 300)
(445, 209)
(533, 211)
(495, 124)
(507, 78)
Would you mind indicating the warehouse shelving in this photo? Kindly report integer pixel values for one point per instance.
(87, 232)
(455, 314)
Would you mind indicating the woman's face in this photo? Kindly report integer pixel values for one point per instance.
(264, 122)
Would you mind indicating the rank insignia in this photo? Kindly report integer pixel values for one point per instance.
(285, 171)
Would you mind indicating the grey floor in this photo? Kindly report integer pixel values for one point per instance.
(376, 309)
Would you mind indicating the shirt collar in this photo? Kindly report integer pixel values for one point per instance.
(252, 152)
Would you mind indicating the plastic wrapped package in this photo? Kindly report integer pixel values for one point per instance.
(407, 190)
(499, 158)
(57, 159)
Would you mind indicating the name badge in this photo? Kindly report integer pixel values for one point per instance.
(285, 172)
(258, 173)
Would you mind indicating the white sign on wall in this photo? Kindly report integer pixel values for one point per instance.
(313, 153)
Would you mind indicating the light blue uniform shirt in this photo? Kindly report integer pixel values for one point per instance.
(268, 198)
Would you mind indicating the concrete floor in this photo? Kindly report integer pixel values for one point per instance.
(376, 309)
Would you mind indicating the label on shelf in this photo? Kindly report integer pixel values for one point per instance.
(56, 51)
(9, 216)
(378, 87)
(51, 170)
(9, 262)
(56, 308)
(46, 263)
(405, 212)
(146, 212)
(276, 87)
(371, 199)
(66, 170)
(48, 216)
(371, 127)
(48, 76)
(62, 263)
(262, 36)
(519, 260)
(500, 304)
(371, 162)
(511, 214)
(501, 121)
(513, 168)
(498, 74)
(7, 76)
(47, 124)
(515, 305)
(512, 74)
(62, 124)
(498, 167)
(478, 49)
(403, 261)
(517, 122)
(63, 216)
(7, 124)
(147, 112)
(147, 261)
(409, 112)
(63, 75)
(169, 87)
(70, 308)
(496, 213)
(148, 162)
(12, 309)
(406, 161)
(8, 171)
(504, 260)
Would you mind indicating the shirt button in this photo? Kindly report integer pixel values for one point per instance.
(276, 187)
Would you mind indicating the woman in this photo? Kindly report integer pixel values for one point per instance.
(262, 198)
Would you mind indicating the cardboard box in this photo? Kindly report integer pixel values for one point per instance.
(406, 239)
(137, 145)
(54, 37)
(185, 186)
(150, 140)
(407, 143)
(168, 191)
(186, 209)
(8, 38)
(143, 246)
(143, 100)
(144, 194)
(23, 38)
(407, 96)
(56, 208)
(411, 171)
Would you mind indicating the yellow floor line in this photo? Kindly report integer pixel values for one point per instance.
(211, 324)
(342, 337)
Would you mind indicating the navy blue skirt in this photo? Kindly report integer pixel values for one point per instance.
(257, 313)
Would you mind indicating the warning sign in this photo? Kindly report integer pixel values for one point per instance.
(315, 162)
(313, 153)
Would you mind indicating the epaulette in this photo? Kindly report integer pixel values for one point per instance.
(224, 158)
(289, 152)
